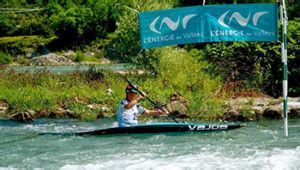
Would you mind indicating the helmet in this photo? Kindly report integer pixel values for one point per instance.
(132, 89)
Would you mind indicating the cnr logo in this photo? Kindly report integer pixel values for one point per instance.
(243, 21)
(156, 26)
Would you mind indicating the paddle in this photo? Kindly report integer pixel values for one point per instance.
(151, 101)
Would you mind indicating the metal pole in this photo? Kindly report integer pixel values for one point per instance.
(284, 19)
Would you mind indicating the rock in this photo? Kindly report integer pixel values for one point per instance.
(71, 114)
(69, 54)
(177, 97)
(272, 113)
(90, 53)
(264, 107)
(28, 55)
(51, 59)
(23, 117)
(103, 110)
(233, 115)
(294, 113)
(100, 107)
(31, 112)
(177, 106)
(3, 110)
(59, 113)
(257, 114)
(177, 114)
(101, 115)
(294, 99)
(3, 107)
(258, 110)
(56, 114)
(3, 104)
(105, 61)
(14, 64)
(135, 72)
(42, 114)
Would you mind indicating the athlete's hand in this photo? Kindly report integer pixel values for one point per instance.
(161, 112)
(140, 97)
(143, 94)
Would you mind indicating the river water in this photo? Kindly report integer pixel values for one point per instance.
(258, 145)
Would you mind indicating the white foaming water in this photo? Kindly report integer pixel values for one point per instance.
(7, 168)
(115, 124)
(272, 159)
(259, 145)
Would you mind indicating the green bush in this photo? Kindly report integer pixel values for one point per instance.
(79, 23)
(125, 45)
(79, 56)
(294, 57)
(21, 44)
(6, 24)
(254, 65)
(23, 60)
(15, 24)
(5, 58)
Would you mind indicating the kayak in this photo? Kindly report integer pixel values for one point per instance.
(156, 128)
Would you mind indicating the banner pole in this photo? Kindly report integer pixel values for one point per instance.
(284, 19)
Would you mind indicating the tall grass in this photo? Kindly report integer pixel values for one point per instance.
(47, 91)
(177, 71)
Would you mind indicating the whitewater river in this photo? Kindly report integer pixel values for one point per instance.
(258, 145)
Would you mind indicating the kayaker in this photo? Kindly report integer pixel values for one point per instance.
(129, 108)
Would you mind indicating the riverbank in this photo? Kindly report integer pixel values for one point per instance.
(121, 68)
(57, 58)
(238, 110)
(95, 94)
